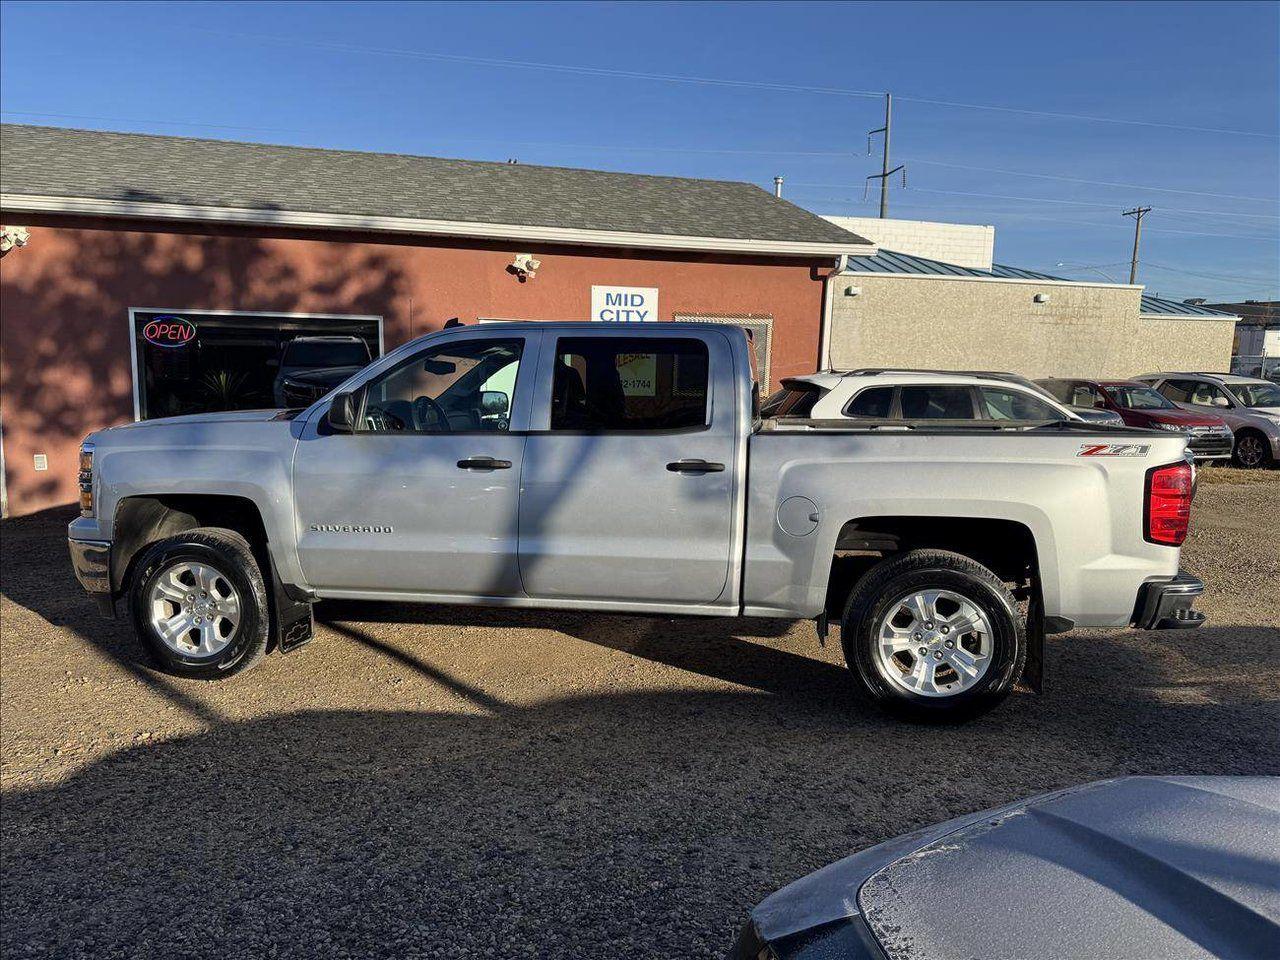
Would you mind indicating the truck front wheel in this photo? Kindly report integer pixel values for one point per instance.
(933, 635)
(199, 604)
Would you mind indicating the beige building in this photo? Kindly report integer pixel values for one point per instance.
(899, 308)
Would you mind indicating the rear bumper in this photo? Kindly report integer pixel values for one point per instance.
(1167, 604)
(91, 560)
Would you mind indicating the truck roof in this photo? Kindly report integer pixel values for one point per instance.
(622, 329)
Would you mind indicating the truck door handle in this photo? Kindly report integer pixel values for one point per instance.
(695, 466)
(484, 463)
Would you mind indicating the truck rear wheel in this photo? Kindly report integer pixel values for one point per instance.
(199, 604)
(933, 635)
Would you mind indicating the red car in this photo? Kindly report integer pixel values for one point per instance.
(1209, 437)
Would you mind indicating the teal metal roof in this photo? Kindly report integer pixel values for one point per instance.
(891, 263)
(1157, 306)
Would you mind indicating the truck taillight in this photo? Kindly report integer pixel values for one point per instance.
(86, 479)
(1168, 504)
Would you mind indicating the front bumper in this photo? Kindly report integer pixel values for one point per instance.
(91, 560)
(1211, 446)
(1166, 604)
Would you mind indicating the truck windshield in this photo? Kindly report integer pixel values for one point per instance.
(1257, 394)
(1139, 398)
(321, 353)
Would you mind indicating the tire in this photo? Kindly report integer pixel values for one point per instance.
(1252, 450)
(236, 621)
(960, 587)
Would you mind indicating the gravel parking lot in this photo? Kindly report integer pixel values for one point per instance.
(463, 783)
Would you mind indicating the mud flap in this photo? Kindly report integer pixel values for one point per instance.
(1033, 673)
(291, 611)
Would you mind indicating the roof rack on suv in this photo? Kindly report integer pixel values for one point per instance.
(876, 371)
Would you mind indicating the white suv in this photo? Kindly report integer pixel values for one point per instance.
(911, 395)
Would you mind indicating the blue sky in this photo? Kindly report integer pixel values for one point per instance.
(445, 80)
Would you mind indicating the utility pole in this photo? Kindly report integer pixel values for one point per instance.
(1137, 213)
(885, 172)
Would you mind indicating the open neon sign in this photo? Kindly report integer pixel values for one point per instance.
(169, 332)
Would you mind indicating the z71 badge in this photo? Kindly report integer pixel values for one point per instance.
(1113, 449)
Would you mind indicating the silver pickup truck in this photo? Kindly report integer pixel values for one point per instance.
(624, 468)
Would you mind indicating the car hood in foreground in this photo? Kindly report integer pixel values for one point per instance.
(1132, 868)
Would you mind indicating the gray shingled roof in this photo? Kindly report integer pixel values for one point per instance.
(891, 262)
(57, 162)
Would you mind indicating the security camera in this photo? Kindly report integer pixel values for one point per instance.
(11, 237)
(525, 265)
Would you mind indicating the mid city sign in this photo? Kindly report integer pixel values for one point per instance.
(624, 304)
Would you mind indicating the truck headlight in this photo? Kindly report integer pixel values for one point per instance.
(86, 479)
(1174, 427)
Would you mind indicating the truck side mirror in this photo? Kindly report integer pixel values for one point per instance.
(494, 403)
(342, 412)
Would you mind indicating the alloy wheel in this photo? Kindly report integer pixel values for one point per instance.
(934, 643)
(193, 608)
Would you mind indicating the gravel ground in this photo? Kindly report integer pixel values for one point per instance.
(461, 783)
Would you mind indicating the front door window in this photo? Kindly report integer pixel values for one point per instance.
(462, 387)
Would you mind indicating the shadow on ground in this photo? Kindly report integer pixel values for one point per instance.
(641, 824)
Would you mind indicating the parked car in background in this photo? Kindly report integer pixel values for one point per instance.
(1088, 414)
(1249, 405)
(912, 395)
(1128, 869)
(1208, 436)
(309, 367)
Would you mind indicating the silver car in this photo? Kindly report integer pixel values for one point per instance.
(1249, 405)
(1129, 869)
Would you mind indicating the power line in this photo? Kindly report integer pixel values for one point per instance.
(536, 65)
(1092, 203)
(712, 81)
(1092, 119)
(1073, 223)
(1102, 183)
(1262, 281)
(1049, 176)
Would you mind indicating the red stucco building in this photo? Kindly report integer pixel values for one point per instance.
(254, 244)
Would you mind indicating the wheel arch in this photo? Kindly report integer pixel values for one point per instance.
(1005, 546)
(142, 520)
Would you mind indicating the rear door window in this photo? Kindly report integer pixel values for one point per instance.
(871, 404)
(629, 383)
(795, 399)
(937, 402)
(1004, 404)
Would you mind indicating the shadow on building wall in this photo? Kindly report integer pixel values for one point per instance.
(65, 365)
